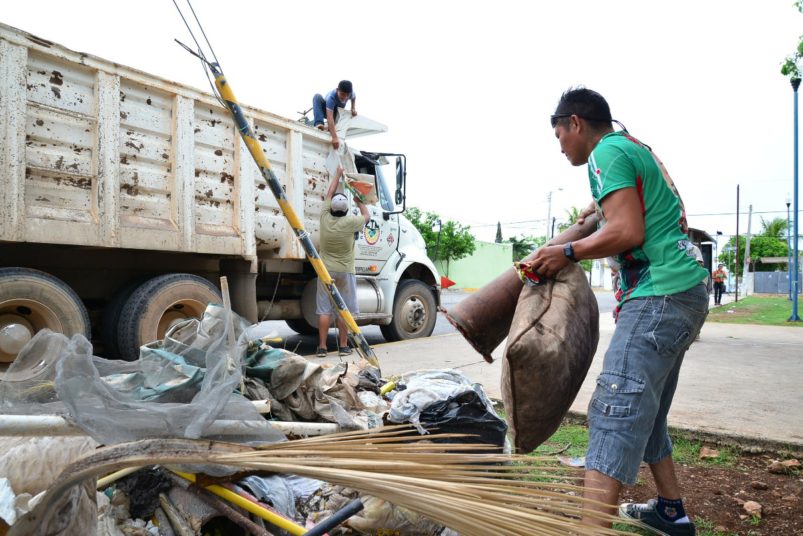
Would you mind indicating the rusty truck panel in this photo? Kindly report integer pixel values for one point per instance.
(97, 154)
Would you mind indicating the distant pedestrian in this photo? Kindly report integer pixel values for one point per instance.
(719, 276)
(337, 254)
(327, 108)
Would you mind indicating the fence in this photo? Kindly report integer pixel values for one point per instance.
(773, 282)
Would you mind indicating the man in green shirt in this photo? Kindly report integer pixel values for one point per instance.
(662, 305)
(337, 254)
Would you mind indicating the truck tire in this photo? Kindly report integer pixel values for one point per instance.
(414, 313)
(301, 326)
(30, 301)
(109, 323)
(158, 304)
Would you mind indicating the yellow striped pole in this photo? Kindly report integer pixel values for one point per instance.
(355, 335)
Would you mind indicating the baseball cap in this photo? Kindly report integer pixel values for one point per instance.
(340, 203)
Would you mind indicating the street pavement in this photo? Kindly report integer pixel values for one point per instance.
(738, 381)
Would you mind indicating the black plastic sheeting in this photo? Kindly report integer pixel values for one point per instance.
(465, 413)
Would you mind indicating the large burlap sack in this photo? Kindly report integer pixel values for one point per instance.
(550, 346)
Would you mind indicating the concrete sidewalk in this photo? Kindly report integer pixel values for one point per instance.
(739, 381)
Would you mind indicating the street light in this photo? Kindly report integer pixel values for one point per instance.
(788, 246)
(795, 318)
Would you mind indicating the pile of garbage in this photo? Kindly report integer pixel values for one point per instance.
(212, 379)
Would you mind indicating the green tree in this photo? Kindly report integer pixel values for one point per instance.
(524, 245)
(455, 242)
(760, 247)
(498, 233)
(775, 228)
(572, 215)
(791, 64)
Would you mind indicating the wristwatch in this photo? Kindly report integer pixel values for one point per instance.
(568, 250)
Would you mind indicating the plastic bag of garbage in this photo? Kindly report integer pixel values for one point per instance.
(427, 387)
(465, 413)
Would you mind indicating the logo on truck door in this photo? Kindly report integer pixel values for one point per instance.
(371, 232)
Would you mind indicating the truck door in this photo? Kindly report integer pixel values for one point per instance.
(380, 236)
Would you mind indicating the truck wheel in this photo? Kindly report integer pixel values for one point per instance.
(157, 305)
(109, 324)
(413, 312)
(301, 326)
(30, 301)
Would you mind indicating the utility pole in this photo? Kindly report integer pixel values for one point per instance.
(549, 213)
(736, 261)
(748, 279)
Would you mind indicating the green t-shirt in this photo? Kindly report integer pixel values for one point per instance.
(337, 239)
(664, 264)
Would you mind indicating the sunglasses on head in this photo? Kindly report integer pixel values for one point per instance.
(553, 119)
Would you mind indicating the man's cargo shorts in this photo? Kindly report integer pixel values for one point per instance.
(627, 413)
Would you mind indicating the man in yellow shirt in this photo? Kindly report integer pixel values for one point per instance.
(337, 253)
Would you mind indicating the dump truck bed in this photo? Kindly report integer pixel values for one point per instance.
(93, 153)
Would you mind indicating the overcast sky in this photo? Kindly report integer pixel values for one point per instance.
(466, 88)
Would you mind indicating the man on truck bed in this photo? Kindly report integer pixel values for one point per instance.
(662, 306)
(337, 254)
(327, 107)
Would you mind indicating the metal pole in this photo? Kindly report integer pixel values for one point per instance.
(548, 212)
(788, 248)
(747, 277)
(795, 317)
(736, 262)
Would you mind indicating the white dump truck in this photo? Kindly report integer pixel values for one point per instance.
(124, 197)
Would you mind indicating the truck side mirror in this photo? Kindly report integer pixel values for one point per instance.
(400, 176)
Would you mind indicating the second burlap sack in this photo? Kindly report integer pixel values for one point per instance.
(550, 346)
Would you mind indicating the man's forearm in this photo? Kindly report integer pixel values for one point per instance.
(363, 210)
(577, 231)
(609, 240)
(330, 120)
(334, 183)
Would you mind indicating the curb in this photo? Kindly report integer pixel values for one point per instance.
(746, 444)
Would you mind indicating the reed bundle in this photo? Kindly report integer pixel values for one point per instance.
(465, 487)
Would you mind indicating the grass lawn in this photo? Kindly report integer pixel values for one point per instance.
(765, 310)
(572, 440)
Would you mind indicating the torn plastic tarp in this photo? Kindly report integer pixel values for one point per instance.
(177, 388)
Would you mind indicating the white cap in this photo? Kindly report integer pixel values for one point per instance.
(340, 203)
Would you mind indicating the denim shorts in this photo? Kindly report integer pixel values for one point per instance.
(627, 412)
(346, 284)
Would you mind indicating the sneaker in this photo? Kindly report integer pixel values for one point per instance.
(320, 126)
(321, 352)
(344, 350)
(645, 512)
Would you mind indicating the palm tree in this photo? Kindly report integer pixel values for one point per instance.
(775, 228)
